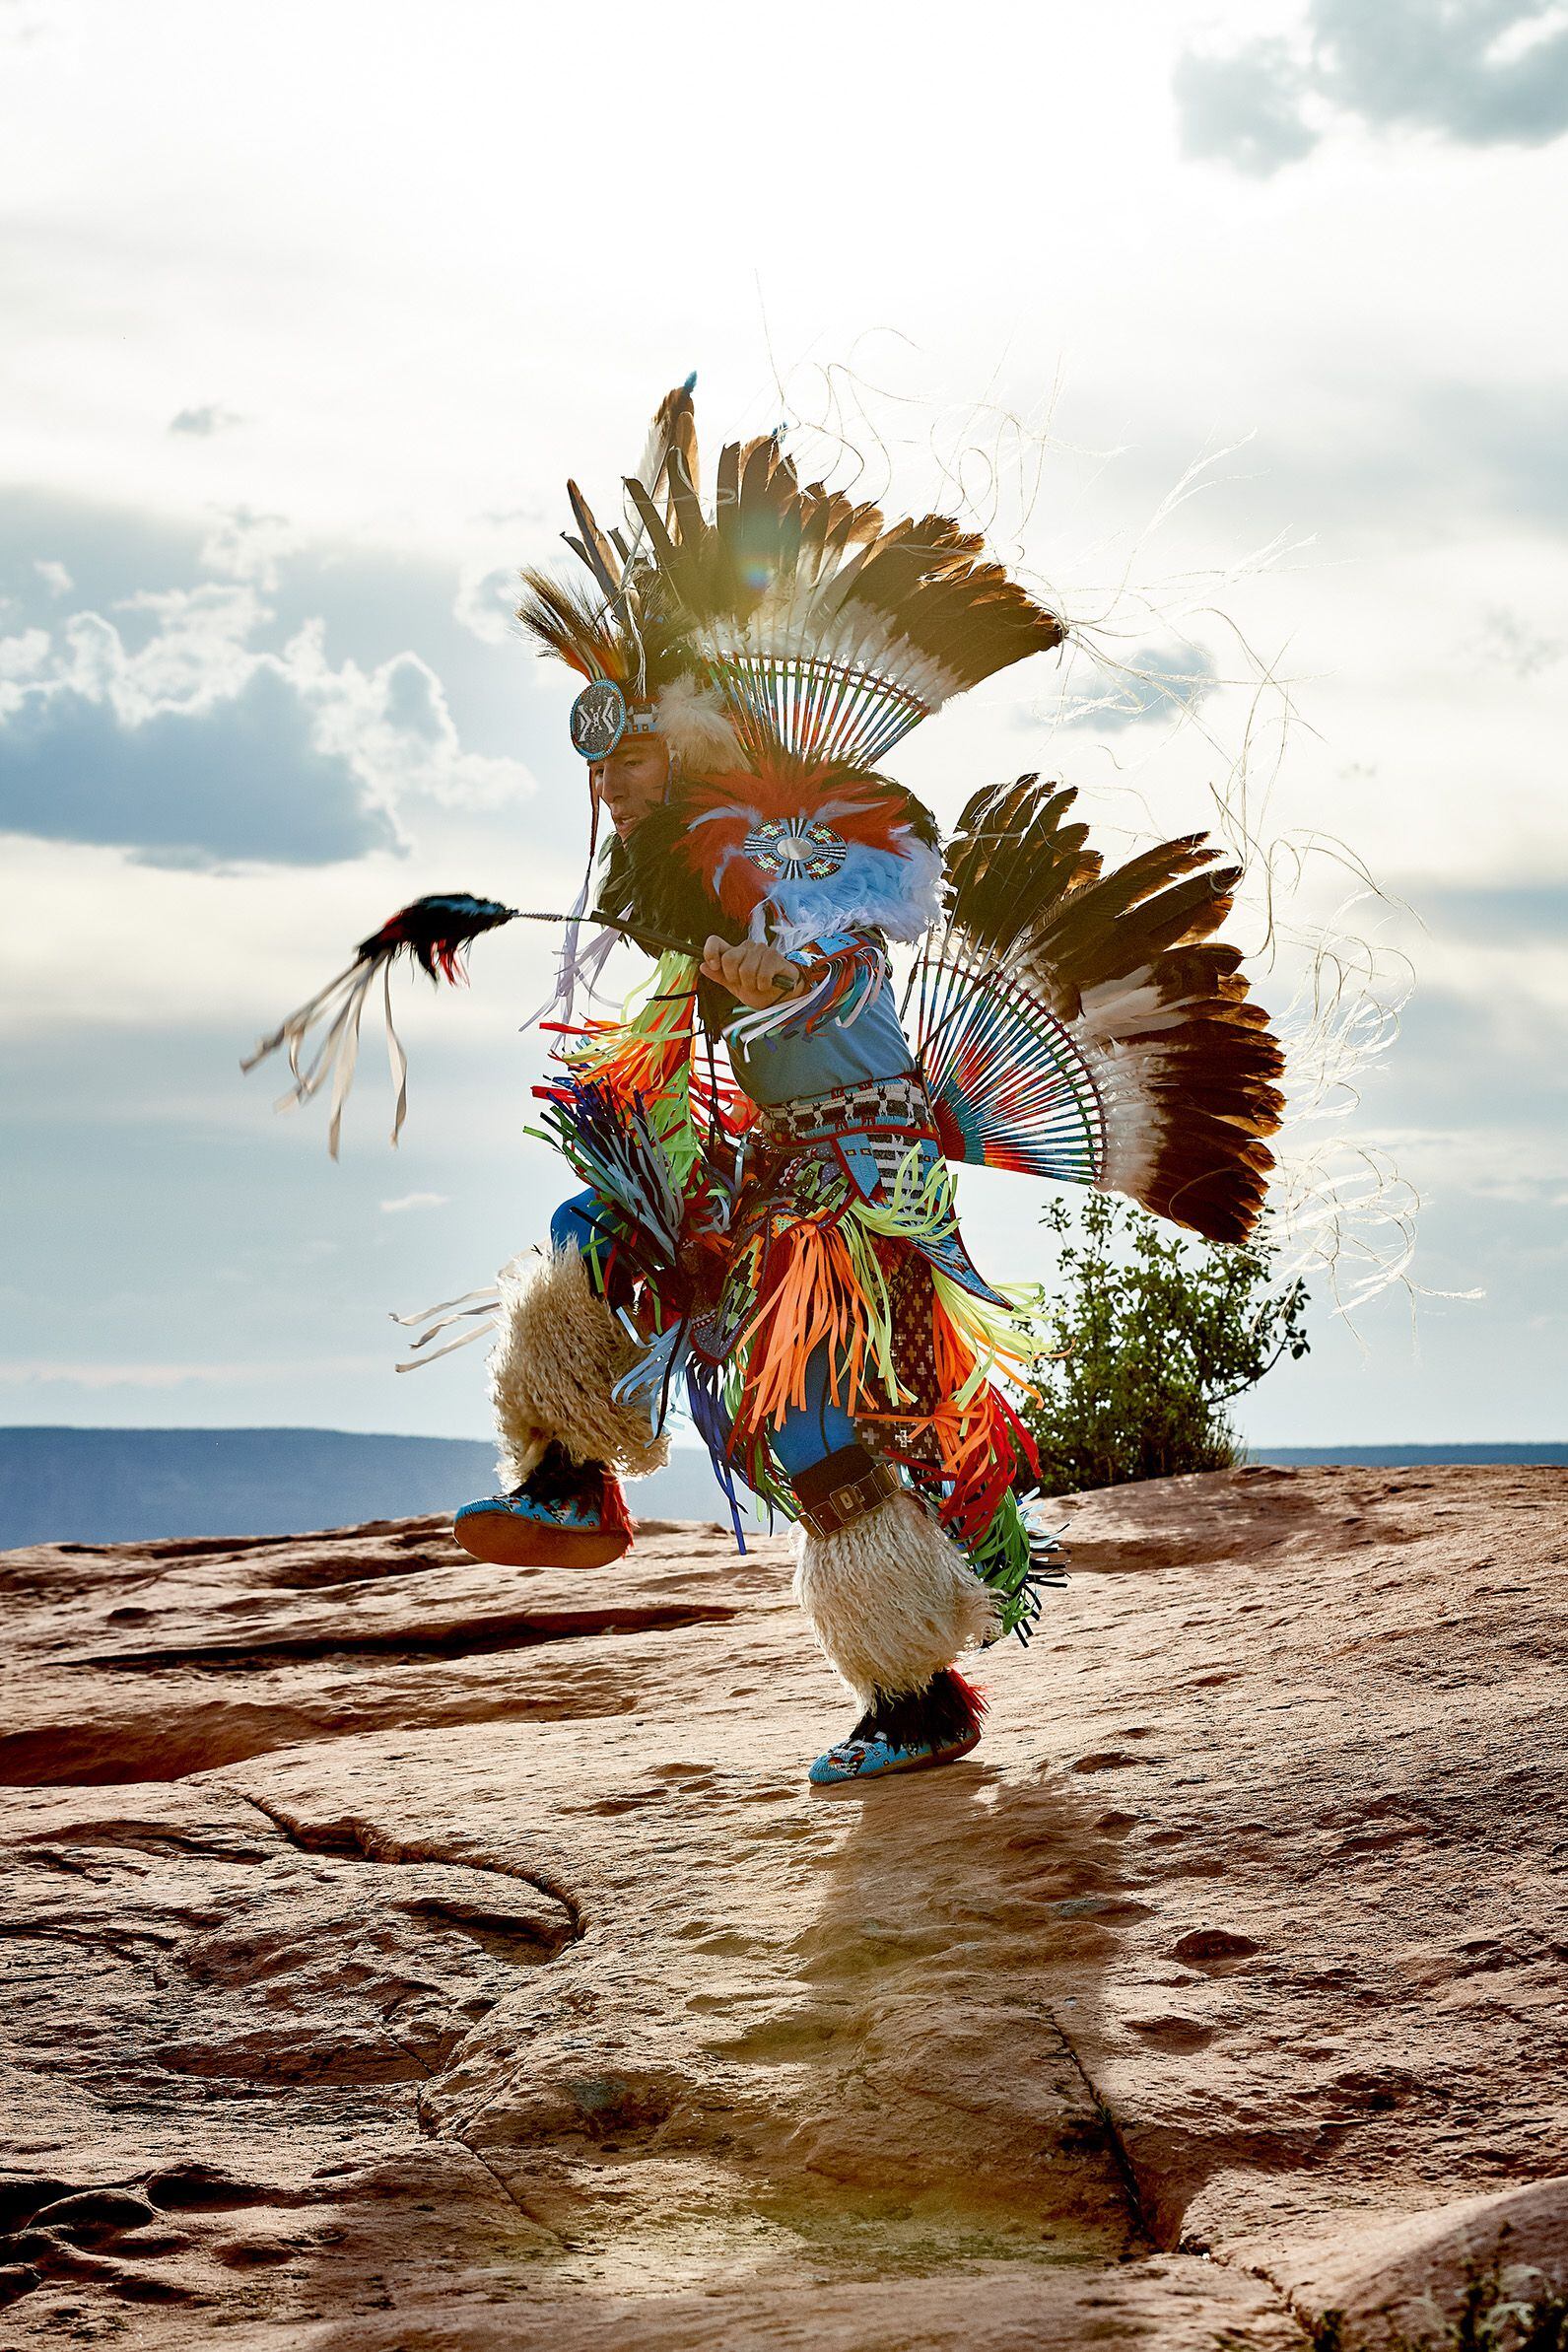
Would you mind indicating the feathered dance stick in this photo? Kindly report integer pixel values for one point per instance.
(433, 933)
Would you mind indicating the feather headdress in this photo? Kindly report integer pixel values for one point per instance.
(821, 633)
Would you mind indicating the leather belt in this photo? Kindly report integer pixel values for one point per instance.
(833, 1494)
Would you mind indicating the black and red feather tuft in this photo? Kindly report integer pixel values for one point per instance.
(433, 932)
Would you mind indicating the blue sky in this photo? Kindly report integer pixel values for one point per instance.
(1238, 328)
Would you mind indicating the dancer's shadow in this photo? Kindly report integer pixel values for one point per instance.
(955, 1958)
(906, 2104)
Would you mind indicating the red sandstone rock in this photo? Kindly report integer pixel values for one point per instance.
(407, 1954)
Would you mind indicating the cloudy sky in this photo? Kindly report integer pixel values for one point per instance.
(1240, 328)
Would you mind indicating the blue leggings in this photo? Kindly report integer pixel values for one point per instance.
(584, 1224)
(808, 1433)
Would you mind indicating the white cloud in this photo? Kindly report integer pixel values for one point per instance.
(1246, 108)
(198, 654)
(54, 576)
(203, 422)
(199, 744)
(486, 601)
(1521, 647)
(394, 727)
(414, 1201)
(1482, 72)
(25, 655)
(244, 545)
(1500, 1165)
(1151, 682)
(1521, 988)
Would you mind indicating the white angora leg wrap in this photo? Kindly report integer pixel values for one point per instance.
(553, 1370)
(890, 1600)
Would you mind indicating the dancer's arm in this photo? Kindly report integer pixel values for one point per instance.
(836, 978)
(753, 971)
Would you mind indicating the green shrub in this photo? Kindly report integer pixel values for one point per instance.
(1154, 1336)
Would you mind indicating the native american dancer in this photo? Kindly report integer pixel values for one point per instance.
(765, 1224)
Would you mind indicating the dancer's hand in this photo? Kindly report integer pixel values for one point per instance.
(757, 974)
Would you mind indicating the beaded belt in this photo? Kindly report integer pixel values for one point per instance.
(901, 1104)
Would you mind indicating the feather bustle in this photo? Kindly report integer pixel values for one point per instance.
(1182, 1061)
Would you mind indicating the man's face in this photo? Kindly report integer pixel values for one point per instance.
(632, 781)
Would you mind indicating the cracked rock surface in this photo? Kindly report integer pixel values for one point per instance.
(400, 1955)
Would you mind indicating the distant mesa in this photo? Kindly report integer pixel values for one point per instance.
(63, 1485)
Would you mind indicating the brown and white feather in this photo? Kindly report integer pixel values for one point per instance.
(1185, 1065)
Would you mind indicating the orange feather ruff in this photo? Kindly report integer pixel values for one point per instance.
(722, 811)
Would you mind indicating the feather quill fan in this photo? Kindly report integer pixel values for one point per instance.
(829, 633)
(1057, 989)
